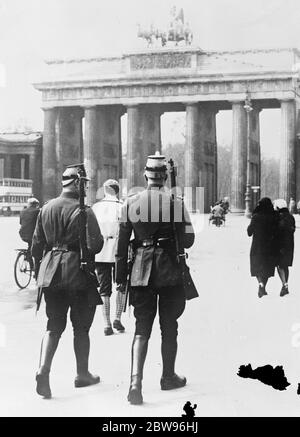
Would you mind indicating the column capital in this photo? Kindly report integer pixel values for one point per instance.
(236, 102)
(190, 103)
(132, 105)
(49, 109)
(287, 99)
(86, 107)
(209, 106)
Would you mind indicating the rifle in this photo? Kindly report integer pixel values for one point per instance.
(187, 281)
(85, 259)
(129, 270)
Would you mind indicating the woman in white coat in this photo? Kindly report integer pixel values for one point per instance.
(107, 211)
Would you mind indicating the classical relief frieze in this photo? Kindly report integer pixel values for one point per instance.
(163, 90)
(162, 60)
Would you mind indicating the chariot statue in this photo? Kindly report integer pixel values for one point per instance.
(177, 31)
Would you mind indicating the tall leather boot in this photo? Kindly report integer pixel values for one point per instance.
(48, 348)
(169, 379)
(138, 356)
(82, 350)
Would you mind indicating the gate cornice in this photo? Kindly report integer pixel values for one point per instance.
(175, 75)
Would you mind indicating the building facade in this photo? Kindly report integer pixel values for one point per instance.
(21, 158)
(84, 99)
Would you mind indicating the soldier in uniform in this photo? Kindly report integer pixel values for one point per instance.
(155, 279)
(65, 285)
(107, 211)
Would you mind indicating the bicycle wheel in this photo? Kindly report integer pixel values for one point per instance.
(22, 270)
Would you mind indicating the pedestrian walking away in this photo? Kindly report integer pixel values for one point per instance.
(285, 242)
(58, 248)
(107, 212)
(263, 229)
(156, 280)
(292, 206)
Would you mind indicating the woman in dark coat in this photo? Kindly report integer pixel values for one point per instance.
(285, 241)
(263, 228)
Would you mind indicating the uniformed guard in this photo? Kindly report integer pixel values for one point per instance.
(156, 278)
(57, 247)
(107, 211)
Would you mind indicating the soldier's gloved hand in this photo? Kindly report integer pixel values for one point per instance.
(121, 288)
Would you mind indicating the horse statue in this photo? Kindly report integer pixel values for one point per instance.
(178, 31)
(147, 34)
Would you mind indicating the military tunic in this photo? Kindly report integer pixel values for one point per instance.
(56, 243)
(155, 279)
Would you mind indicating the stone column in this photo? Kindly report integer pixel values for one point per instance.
(7, 166)
(150, 133)
(32, 172)
(90, 151)
(49, 160)
(255, 156)
(133, 148)
(239, 157)
(297, 151)
(206, 160)
(287, 185)
(191, 154)
(69, 136)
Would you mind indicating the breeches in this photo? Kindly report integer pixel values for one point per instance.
(59, 301)
(170, 302)
(105, 273)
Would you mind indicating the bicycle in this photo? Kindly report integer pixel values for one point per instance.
(23, 268)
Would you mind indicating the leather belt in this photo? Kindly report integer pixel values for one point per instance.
(65, 248)
(157, 242)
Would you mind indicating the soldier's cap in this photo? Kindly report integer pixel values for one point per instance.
(72, 173)
(279, 204)
(111, 183)
(32, 201)
(156, 166)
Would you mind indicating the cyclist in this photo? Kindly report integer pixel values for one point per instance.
(28, 218)
(217, 212)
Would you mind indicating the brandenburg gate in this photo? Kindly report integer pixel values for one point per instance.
(84, 99)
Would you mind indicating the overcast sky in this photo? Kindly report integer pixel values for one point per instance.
(32, 30)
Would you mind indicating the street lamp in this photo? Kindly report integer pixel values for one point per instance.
(248, 109)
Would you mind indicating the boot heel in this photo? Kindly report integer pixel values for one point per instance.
(43, 386)
(135, 395)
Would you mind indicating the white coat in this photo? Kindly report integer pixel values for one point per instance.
(107, 212)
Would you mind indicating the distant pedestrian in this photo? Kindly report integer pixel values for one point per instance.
(107, 212)
(298, 207)
(292, 206)
(263, 228)
(285, 241)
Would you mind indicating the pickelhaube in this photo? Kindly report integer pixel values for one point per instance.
(73, 172)
(156, 166)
